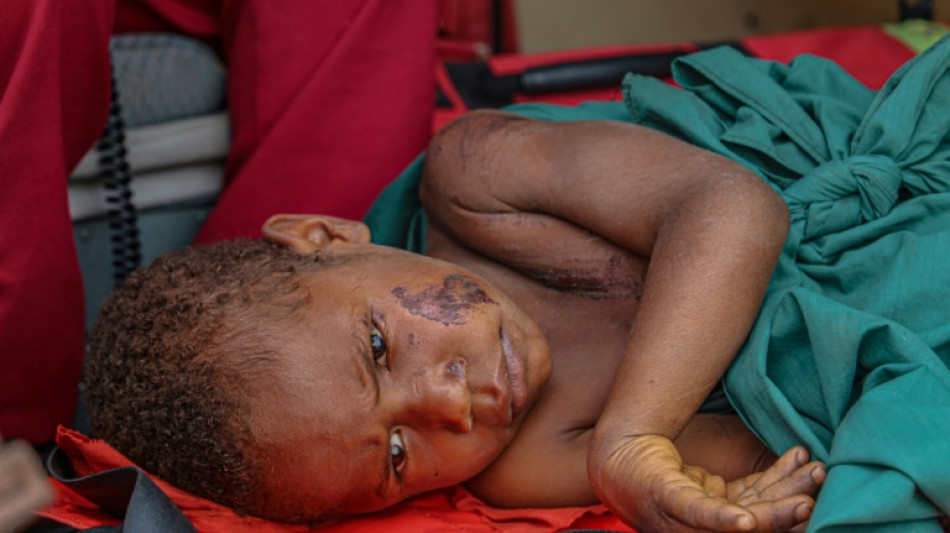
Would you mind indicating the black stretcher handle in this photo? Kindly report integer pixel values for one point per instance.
(594, 72)
(480, 87)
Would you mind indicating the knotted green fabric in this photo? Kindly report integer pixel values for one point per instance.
(851, 349)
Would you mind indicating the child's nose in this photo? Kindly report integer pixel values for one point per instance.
(439, 398)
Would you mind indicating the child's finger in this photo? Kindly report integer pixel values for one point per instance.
(754, 484)
(785, 466)
(694, 508)
(805, 480)
(783, 514)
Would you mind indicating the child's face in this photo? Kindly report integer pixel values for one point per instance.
(403, 374)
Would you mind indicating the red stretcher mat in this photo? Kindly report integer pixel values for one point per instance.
(869, 53)
(452, 509)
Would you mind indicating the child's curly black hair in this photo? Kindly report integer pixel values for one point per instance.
(177, 350)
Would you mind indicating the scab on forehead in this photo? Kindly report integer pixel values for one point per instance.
(444, 303)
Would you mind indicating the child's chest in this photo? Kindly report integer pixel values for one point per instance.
(587, 333)
(587, 337)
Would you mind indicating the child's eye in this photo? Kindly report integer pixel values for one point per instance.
(397, 452)
(378, 345)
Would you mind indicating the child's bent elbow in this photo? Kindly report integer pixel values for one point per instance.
(761, 208)
(777, 219)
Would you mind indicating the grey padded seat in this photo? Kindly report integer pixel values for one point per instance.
(172, 93)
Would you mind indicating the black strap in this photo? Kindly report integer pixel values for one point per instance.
(125, 493)
(479, 87)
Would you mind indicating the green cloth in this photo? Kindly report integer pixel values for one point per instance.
(850, 354)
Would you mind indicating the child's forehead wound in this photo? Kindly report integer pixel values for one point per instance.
(444, 303)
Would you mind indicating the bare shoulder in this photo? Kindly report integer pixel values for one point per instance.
(539, 195)
(487, 186)
(480, 124)
(474, 133)
(496, 161)
(468, 159)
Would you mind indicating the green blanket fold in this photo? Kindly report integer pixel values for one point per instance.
(851, 349)
(850, 354)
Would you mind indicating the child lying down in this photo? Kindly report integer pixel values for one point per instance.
(585, 285)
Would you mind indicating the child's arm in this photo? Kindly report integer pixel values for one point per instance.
(541, 195)
(548, 469)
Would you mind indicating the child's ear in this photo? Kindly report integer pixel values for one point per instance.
(309, 233)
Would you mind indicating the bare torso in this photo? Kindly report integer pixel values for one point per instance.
(586, 317)
(581, 328)
(584, 292)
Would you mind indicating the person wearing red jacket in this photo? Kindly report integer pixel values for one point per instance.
(335, 95)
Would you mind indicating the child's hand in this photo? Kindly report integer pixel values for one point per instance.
(646, 483)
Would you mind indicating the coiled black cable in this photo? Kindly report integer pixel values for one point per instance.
(116, 179)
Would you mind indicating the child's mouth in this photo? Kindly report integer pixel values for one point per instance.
(514, 371)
